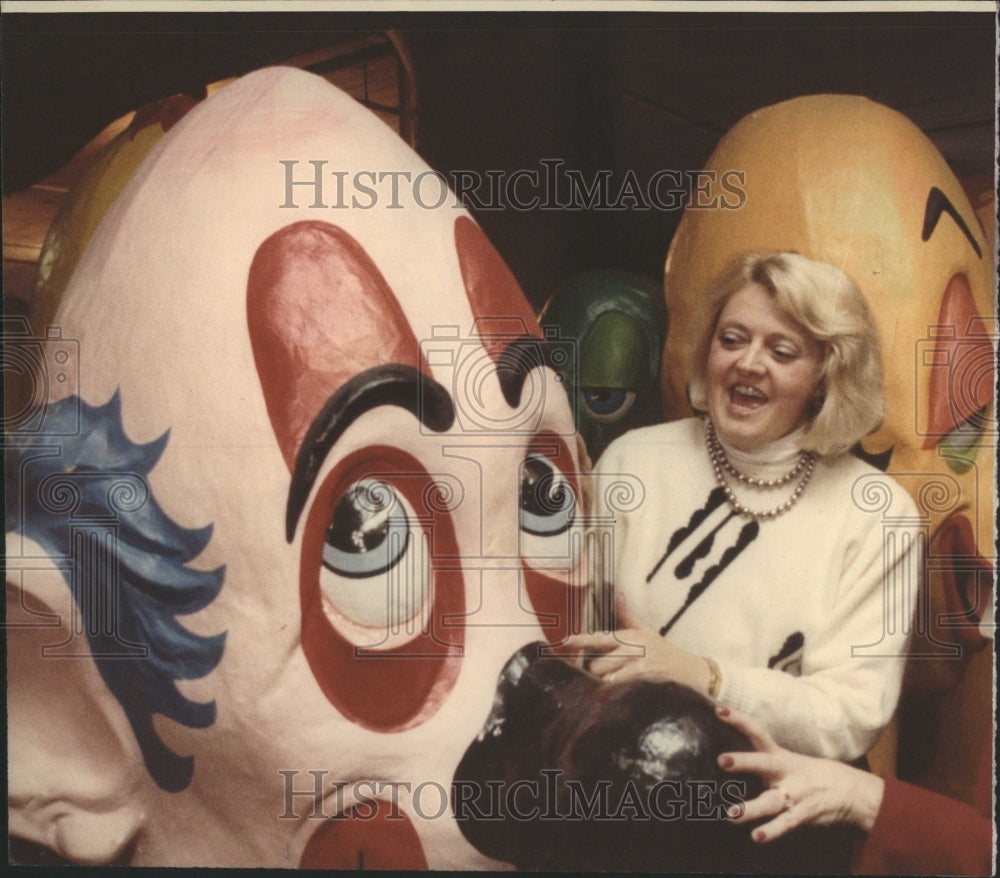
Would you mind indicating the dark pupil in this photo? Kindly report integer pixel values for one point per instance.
(601, 394)
(605, 400)
(360, 521)
(541, 494)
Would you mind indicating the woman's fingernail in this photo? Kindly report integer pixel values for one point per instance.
(721, 710)
(725, 761)
(735, 811)
(759, 835)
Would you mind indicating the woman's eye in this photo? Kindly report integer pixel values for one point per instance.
(785, 355)
(369, 536)
(960, 446)
(608, 404)
(548, 504)
(728, 339)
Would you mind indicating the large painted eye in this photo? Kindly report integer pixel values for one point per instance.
(369, 538)
(608, 404)
(548, 504)
(960, 446)
(378, 608)
(368, 533)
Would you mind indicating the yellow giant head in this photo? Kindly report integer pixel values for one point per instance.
(850, 182)
(89, 199)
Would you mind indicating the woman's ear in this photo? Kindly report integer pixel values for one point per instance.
(818, 399)
(695, 393)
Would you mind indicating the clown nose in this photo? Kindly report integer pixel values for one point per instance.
(569, 772)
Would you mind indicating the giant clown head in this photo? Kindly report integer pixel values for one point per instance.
(848, 181)
(303, 488)
(287, 433)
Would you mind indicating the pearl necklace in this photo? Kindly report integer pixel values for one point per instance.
(721, 464)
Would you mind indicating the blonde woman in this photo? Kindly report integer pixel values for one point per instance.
(760, 562)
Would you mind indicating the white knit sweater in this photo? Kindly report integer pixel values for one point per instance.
(807, 614)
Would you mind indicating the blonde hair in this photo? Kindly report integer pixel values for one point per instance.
(831, 309)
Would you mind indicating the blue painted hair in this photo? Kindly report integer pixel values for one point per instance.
(82, 495)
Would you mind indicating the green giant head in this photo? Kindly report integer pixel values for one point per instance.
(616, 322)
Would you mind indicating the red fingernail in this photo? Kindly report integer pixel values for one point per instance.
(759, 835)
(735, 811)
(721, 710)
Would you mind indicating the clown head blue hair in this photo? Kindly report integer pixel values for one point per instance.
(85, 499)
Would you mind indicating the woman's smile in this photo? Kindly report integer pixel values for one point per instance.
(745, 396)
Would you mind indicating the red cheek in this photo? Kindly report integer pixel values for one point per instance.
(373, 836)
(385, 690)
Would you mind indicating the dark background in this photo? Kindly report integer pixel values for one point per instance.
(505, 90)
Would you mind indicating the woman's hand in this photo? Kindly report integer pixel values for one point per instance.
(635, 651)
(624, 654)
(801, 789)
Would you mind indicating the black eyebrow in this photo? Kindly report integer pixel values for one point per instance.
(391, 384)
(523, 354)
(938, 203)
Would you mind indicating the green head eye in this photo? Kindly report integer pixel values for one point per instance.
(961, 445)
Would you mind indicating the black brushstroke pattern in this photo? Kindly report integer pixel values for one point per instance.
(748, 534)
(793, 643)
(715, 499)
(683, 570)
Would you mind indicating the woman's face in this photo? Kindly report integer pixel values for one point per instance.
(763, 371)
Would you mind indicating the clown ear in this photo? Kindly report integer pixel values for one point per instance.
(75, 773)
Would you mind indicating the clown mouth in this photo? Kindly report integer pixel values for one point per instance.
(374, 835)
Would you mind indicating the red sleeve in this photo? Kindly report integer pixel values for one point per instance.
(917, 831)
